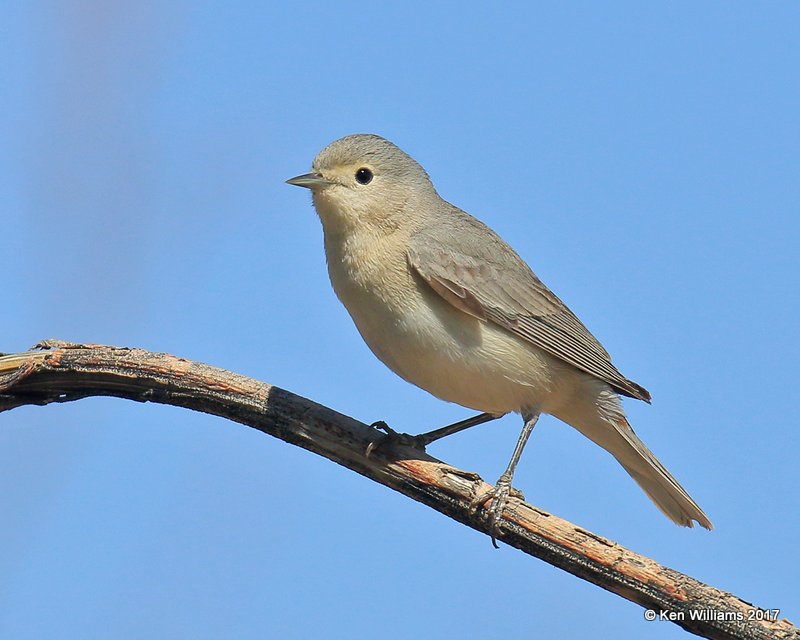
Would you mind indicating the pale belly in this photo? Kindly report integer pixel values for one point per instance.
(453, 355)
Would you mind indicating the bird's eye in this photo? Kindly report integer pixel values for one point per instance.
(363, 176)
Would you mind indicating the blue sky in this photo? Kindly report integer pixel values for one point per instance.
(641, 157)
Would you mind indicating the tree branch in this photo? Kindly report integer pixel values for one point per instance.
(61, 372)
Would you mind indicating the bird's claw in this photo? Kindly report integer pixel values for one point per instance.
(393, 437)
(499, 495)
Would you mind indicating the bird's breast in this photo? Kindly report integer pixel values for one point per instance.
(371, 276)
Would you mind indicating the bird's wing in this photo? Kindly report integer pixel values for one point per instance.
(507, 293)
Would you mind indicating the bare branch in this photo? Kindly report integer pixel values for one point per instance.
(62, 372)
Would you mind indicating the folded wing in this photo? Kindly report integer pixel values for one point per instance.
(499, 287)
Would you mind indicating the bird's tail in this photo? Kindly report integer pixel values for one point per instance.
(653, 478)
(598, 415)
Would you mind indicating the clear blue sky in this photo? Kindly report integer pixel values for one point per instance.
(643, 158)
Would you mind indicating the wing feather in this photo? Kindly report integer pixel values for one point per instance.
(511, 296)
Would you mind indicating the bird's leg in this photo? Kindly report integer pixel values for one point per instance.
(424, 439)
(500, 492)
(432, 436)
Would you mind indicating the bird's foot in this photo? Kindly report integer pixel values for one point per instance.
(499, 495)
(393, 437)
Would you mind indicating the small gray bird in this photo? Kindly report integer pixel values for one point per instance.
(447, 305)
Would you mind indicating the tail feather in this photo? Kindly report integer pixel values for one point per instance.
(594, 410)
(663, 489)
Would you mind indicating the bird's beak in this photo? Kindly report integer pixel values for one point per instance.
(309, 181)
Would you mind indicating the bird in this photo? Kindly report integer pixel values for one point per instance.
(449, 306)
